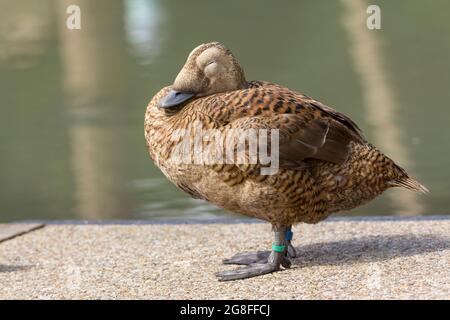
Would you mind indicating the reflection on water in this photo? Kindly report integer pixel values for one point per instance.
(25, 29)
(72, 102)
(144, 22)
(379, 98)
(94, 90)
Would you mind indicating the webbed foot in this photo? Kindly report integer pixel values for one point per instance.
(252, 270)
(258, 263)
(247, 258)
(259, 257)
(291, 251)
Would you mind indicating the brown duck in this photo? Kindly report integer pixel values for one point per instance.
(324, 163)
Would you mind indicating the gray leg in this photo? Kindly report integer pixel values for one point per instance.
(291, 252)
(272, 262)
(247, 258)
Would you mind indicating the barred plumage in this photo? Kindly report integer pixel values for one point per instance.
(326, 165)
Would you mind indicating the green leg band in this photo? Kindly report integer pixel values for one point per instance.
(278, 248)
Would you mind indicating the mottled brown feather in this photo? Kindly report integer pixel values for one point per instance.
(325, 163)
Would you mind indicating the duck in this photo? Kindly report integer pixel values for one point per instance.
(321, 162)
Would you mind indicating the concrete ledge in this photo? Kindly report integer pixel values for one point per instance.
(12, 230)
(230, 220)
(339, 259)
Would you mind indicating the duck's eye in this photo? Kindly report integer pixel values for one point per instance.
(212, 68)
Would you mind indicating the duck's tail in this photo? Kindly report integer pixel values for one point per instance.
(403, 179)
(410, 184)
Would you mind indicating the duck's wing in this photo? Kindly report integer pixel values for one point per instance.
(307, 129)
(298, 138)
(302, 99)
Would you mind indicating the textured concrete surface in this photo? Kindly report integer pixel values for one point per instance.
(11, 230)
(338, 260)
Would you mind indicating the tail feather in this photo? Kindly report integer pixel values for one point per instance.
(410, 184)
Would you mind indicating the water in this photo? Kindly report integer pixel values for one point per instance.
(72, 102)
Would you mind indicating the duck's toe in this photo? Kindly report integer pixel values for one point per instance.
(259, 263)
(247, 258)
(252, 270)
(291, 251)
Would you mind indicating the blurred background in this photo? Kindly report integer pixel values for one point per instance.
(72, 102)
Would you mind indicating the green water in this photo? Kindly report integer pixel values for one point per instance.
(72, 102)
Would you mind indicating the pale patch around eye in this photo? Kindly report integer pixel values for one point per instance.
(211, 69)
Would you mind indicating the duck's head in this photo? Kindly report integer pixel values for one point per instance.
(210, 68)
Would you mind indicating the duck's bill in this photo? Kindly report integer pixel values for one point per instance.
(174, 98)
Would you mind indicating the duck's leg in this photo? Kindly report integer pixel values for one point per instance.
(247, 258)
(291, 252)
(272, 263)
